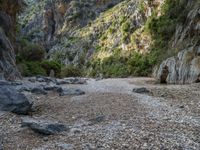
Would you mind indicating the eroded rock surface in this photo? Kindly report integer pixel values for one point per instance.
(7, 30)
(43, 126)
(13, 101)
(181, 69)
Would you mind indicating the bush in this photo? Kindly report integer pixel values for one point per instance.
(30, 52)
(31, 69)
(125, 27)
(51, 65)
(71, 71)
(140, 65)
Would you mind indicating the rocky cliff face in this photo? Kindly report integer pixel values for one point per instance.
(121, 37)
(185, 67)
(47, 22)
(8, 11)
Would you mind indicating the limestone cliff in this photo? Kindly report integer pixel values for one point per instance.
(119, 38)
(8, 11)
(185, 67)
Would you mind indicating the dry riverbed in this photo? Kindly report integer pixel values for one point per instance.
(112, 117)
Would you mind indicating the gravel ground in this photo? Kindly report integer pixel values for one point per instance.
(167, 118)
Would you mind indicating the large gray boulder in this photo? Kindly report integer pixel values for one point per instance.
(13, 101)
(44, 127)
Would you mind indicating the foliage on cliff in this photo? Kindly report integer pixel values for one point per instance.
(121, 38)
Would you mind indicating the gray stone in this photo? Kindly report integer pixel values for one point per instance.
(3, 82)
(13, 101)
(23, 88)
(1, 147)
(32, 79)
(71, 91)
(141, 90)
(97, 119)
(52, 88)
(70, 81)
(62, 81)
(39, 90)
(65, 146)
(45, 79)
(43, 126)
(16, 83)
(2, 76)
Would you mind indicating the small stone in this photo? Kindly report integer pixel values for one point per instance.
(32, 80)
(181, 106)
(65, 146)
(45, 138)
(51, 88)
(1, 147)
(38, 90)
(52, 73)
(2, 76)
(141, 90)
(97, 119)
(71, 91)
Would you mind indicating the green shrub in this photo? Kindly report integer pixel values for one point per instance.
(71, 71)
(140, 64)
(125, 26)
(30, 52)
(31, 68)
(51, 65)
(163, 28)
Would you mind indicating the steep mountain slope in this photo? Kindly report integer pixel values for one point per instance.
(8, 11)
(117, 38)
(108, 33)
(47, 21)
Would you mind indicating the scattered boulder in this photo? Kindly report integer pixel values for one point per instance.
(61, 82)
(97, 119)
(70, 81)
(52, 73)
(16, 83)
(141, 90)
(2, 76)
(43, 126)
(1, 147)
(13, 101)
(4, 82)
(65, 146)
(23, 88)
(45, 79)
(33, 79)
(52, 88)
(39, 90)
(72, 91)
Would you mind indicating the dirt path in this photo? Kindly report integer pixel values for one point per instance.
(167, 118)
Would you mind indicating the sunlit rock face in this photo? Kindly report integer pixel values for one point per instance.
(8, 11)
(185, 67)
(48, 21)
(181, 69)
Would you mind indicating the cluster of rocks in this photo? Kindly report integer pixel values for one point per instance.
(13, 99)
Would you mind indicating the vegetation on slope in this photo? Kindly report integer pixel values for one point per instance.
(128, 39)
